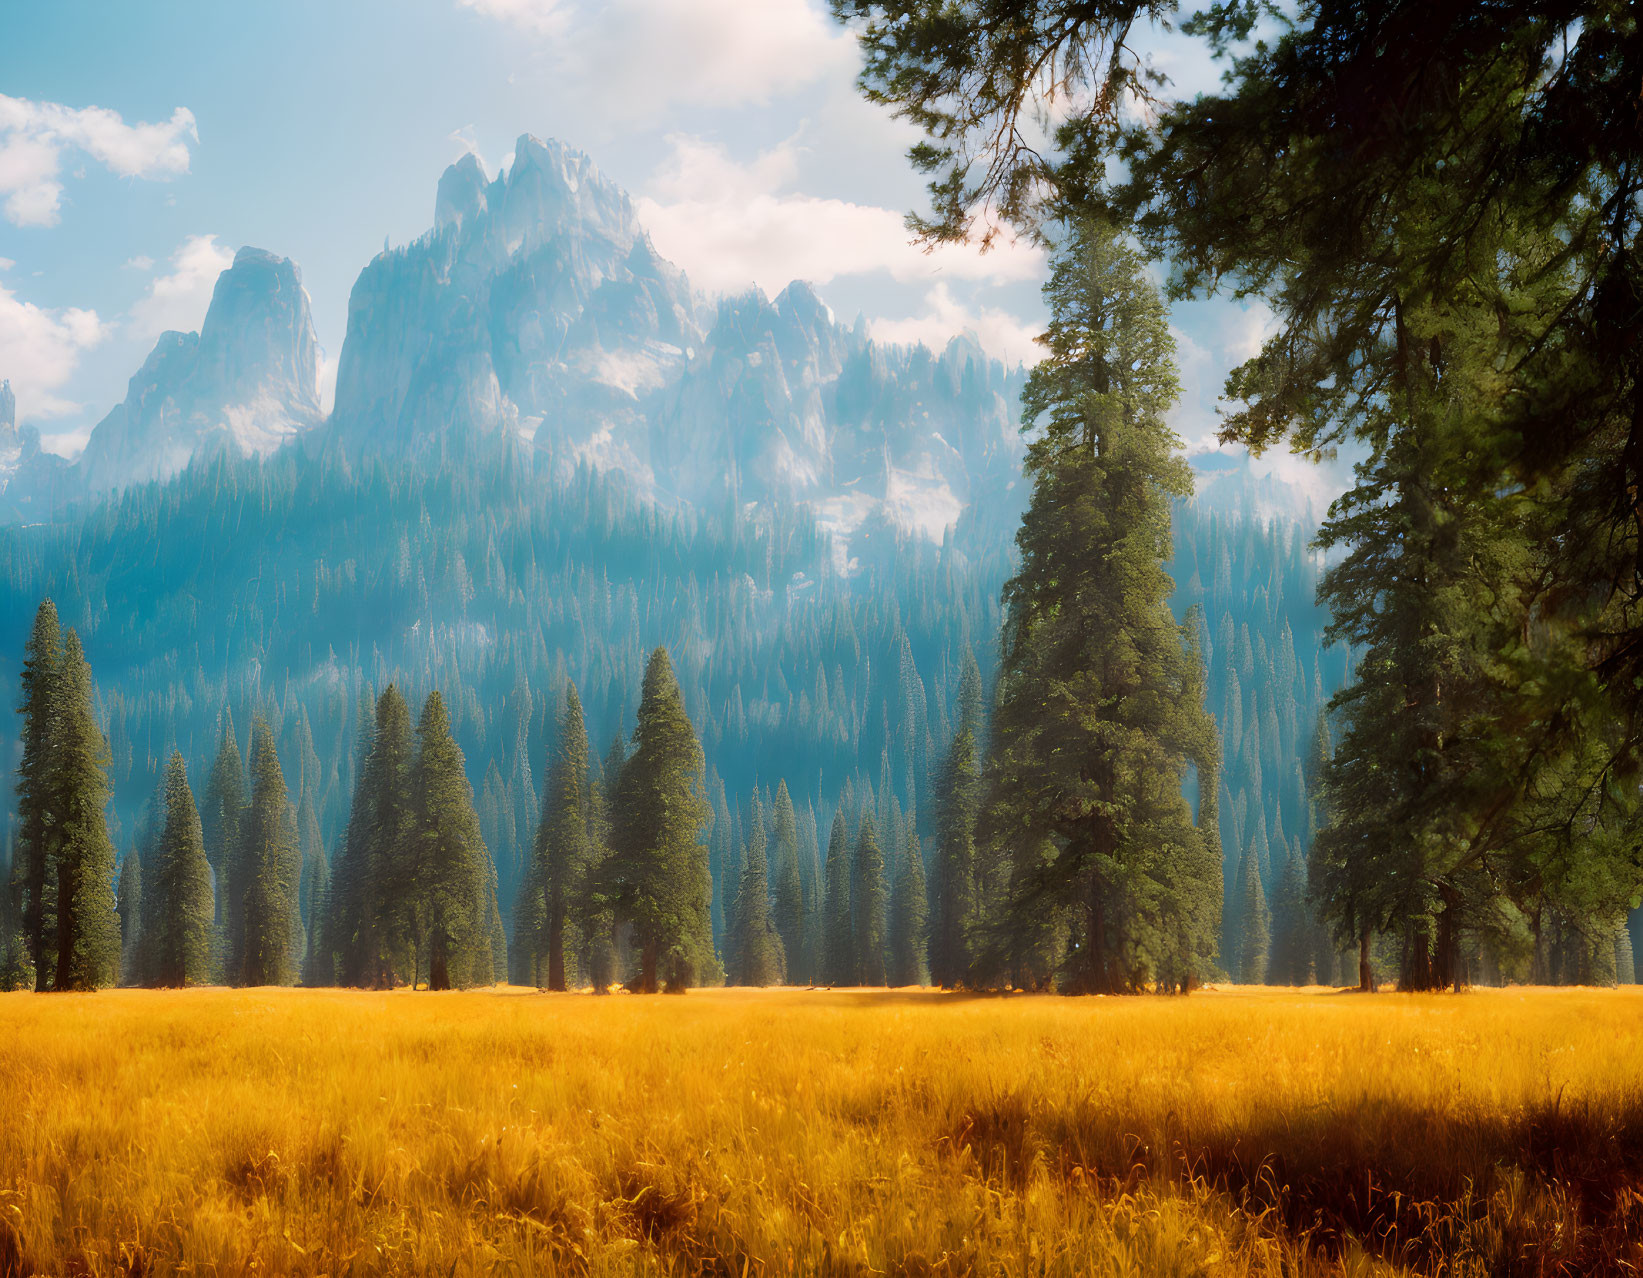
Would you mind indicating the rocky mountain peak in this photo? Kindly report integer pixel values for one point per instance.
(248, 380)
(537, 305)
(461, 195)
(258, 335)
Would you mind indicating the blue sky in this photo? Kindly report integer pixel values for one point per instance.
(140, 145)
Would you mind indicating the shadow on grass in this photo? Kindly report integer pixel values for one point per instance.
(1548, 1190)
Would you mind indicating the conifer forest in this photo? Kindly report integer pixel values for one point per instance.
(1128, 752)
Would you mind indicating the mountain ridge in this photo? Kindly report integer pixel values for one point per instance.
(537, 304)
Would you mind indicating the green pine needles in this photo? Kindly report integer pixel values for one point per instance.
(1100, 719)
(71, 934)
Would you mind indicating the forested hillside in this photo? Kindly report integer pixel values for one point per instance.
(298, 587)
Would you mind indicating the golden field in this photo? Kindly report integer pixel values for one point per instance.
(849, 1132)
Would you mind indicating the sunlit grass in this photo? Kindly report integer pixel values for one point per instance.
(310, 1132)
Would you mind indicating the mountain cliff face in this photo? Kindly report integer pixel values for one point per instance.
(248, 380)
(535, 301)
(538, 305)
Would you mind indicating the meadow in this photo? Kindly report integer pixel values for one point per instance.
(843, 1132)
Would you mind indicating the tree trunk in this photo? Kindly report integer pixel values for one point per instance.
(1097, 978)
(67, 925)
(647, 967)
(34, 920)
(439, 973)
(556, 951)
(1366, 973)
(1446, 966)
(1415, 969)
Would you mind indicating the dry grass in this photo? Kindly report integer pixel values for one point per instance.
(324, 1132)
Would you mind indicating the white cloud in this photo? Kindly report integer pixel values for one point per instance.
(142, 262)
(467, 137)
(641, 57)
(40, 348)
(1247, 331)
(178, 299)
(730, 224)
(537, 17)
(327, 380)
(6, 263)
(35, 137)
(1002, 334)
(67, 443)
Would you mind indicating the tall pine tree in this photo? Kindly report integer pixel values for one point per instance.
(270, 870)
(656, 877)
(37, 832)
(909, 916)
(958, 801)
(756, 955)
(182, 885)
(1254, 933)
(838, 934)
(869, 900)
(560, 854)
(88, 929)
(221, 820)
(128, 902)
(455, 883)
(1100, 714)
(788, 888)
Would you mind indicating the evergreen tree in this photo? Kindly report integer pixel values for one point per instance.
(656, 877)
(269, 869)
(393, 848)
(909, 917)
(375, 873)
(150, 921)
(719, 856)
(221, 820)
(560, 855)
(1033, 949)
(527, 964)
(129, 904)
(815, 887)
(839, 938)
(454, 883)
(869, 904)
(496, 971)
(1100, 715)
(16, 969)
(38, 833)
(1429, 540)
(959, 796)
(1290, 961)
(756, 957)
(1253, 918)
(313, 894)
(349, 909)
(788, 912)
(88, 929)
(182, 948)
(595, 919)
